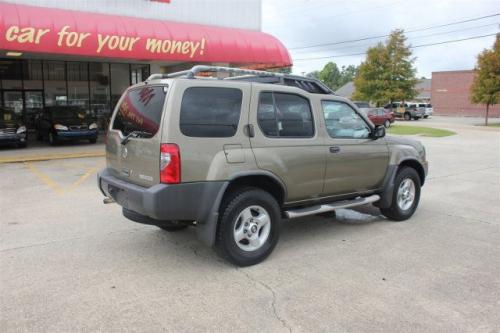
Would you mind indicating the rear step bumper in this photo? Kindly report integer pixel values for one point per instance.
(185, 201)
(294, 213)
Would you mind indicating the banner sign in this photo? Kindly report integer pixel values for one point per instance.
(57, 31)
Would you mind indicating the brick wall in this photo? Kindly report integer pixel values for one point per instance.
(450, 95)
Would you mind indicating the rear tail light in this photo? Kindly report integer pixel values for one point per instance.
(170, 163)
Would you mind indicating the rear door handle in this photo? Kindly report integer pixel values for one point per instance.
(334, 149)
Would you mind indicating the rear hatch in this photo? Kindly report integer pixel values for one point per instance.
(133, 141)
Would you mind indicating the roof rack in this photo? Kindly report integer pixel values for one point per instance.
(311, 85)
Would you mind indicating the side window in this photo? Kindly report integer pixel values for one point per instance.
(343, 122)
(285, 116)
(210, 112)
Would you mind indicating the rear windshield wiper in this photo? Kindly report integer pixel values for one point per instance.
(135, 134)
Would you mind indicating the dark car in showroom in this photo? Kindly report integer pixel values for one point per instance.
(66, 123)
(12, 129)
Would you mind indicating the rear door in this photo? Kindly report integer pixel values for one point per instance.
(139, 111)
(286, 140)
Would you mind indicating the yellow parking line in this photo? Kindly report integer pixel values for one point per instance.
(85, 176)
(34, 158)
(49, 182)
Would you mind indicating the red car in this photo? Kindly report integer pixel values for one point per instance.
(380, 116)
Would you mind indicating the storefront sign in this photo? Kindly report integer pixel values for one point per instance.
(56, 31)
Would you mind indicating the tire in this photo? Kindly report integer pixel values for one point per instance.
(399, 211)
(425, 117)
(92, 140)
(416, 118)
(22, 145)
(52, 139)
(172, 226)
(407, 116)
(240, 214)
(387, 124)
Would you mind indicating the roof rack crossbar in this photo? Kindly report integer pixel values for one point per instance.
(305, 83)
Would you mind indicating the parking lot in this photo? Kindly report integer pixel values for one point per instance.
(70, 263)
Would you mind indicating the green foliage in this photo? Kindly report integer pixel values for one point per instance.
(387, 74)
(313, 74)
(486, 86)
(334, 77)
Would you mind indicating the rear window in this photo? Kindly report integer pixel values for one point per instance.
(141, 110)
(210, 112)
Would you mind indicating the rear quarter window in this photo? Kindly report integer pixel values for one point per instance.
(140, 110)
(210, 112)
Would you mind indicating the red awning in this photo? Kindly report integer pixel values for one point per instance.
(57, 31)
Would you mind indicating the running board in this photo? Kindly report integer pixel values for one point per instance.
(294, 213)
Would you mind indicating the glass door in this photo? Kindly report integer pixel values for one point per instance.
(13, 99)
(33, 103)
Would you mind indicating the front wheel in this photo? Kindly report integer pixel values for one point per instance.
(407, 116)
(249, 227)
(387, 124)
(405, 196)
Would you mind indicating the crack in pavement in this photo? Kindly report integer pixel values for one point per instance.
(273, 303)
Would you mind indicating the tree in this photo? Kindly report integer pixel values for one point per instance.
(485, 88)
(387, 74)
(330, 75)
(313, 74)
(333, 77)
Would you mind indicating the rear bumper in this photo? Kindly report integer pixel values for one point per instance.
(198, 201)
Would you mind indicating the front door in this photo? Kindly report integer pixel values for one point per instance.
(286, 141)
(355, 162)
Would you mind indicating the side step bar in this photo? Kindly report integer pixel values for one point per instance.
(294, 213)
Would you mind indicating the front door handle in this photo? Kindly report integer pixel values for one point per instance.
(334, 149)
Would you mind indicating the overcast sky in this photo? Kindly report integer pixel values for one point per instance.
(299, 23)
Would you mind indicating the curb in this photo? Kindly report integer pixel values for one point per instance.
(34, 158)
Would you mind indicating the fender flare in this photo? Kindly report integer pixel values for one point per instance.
(387, 190)
(207, 228)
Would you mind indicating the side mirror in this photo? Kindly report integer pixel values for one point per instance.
(378, 132)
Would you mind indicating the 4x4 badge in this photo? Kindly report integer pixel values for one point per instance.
(124, 152)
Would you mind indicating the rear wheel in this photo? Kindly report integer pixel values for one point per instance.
(92, 140)
(407, 116)
(248, 227)
(406, 195)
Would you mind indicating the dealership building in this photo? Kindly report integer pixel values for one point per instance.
(85, 53)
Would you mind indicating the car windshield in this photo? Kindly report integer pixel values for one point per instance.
(7, 114)
(68, 112)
